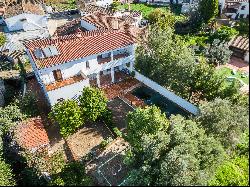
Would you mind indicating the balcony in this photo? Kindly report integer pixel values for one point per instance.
(108, 59)
(65, 82)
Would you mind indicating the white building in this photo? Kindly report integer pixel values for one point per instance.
(236, 9)
(66, 64)
(26, 22)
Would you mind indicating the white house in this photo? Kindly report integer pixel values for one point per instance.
(104, 3)
(236, 9)
(26, 22)
(64, 65)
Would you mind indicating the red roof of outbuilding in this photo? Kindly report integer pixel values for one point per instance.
(31, 134)
(76, 46)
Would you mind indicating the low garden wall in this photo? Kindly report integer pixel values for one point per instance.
(169, 95)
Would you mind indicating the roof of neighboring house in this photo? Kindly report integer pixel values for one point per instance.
(31, 21)
(90, 9)
(31, 134)
(240, 42)
(76, 46)
(13, 8)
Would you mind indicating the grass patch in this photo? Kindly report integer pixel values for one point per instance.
(229, 73)
(144, 8)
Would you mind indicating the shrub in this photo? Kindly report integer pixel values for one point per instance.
(72, 174)
(68, 115)
(117, 132)
(2, 39)
(104, 142)
(6, 176)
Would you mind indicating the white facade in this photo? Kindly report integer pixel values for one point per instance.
(247, 57)
(70, 69)
(26, 22)
(242, 11)
(104, 3)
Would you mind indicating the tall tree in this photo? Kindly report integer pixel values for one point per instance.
(68, 115)
(93, 103)
(208, 9)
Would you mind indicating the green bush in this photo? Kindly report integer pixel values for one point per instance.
(104, 143)
(93, 103)
(72, 174)
(6, 176)
(68, 115)
(117, 132)
(2, 39)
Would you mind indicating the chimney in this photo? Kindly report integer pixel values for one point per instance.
(115, 24)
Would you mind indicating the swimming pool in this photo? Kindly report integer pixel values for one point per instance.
(151, 97)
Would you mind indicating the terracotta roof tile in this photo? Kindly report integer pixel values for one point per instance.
(240, 42)
(76, 46)
(31, 134)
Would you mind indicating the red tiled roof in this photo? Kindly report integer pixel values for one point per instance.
(76, 46)
(31, 134)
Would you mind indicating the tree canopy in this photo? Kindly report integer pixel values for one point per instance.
(68, 115)
(93, 103)
(208, 9)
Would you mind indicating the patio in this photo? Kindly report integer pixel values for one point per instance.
(238, 64)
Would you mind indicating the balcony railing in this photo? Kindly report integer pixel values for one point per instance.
(108, 59)
(65, 82)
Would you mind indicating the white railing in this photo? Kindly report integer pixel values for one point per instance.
(166, 93)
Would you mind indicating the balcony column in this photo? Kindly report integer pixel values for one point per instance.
(112, 75)
(98, 80)
(112, 56)
(133, 58)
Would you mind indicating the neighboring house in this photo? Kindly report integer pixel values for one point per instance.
(240, 47)
(236, 9)
(64, 65)
(26, 22)
(90, 8)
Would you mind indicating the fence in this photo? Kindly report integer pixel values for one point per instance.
(169, 95)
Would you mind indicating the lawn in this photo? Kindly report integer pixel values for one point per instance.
(147, 9)
(229, 73)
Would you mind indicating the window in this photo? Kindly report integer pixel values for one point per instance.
(243, 7)
(87, 64)
(57, 75)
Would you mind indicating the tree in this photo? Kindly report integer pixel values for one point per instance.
(218, 53)
(208, 9)
(68, 115)
(93, 103)
(162, 19)
(114, 6)
(144, 122)
(73, 174)
(234, 172)
(2, 39)
(224, 121)
(6, 175)
(181, 154)
(243, 27)
(167, 60)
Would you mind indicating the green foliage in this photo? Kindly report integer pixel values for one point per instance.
(162, 19)
(144, 122)
(115, 5)
(2, 39)
(208, 9)
(182, 154)
(234, 172)
(73, 174)
(104, 142)
(243, 26)
(29, 105)
(68, 115)
(224, 120)
(93, 103)
(6, 175)
(167, 60)
(117, 132)
(9, 115)
(218, 53)
(224, 33)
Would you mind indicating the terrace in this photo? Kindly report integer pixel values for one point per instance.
(109, 58)
(65, 82)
